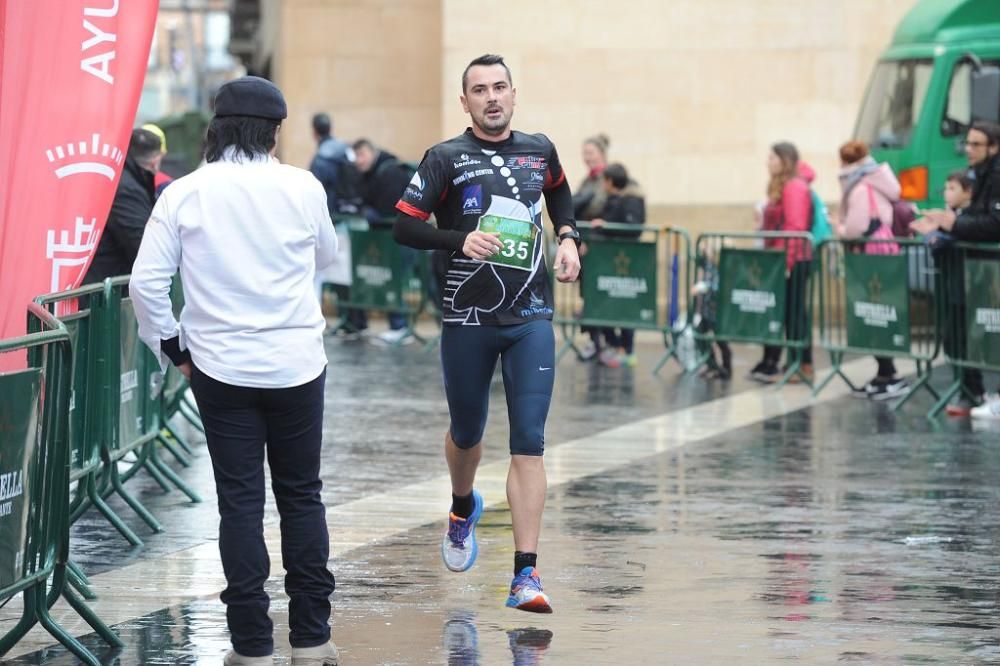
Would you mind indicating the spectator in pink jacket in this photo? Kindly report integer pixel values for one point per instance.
(869, 190)
(789, 208)
(865, 214)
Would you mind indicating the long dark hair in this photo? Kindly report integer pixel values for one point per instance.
(251, 137)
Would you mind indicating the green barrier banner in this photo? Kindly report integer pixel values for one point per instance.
(131, 410)
(79, 335)
(377, 274)
(982, 288)
(620, 282)
(752, 294)
(878, 302)
(20, 432)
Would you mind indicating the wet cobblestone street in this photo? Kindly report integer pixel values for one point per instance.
(686, 523)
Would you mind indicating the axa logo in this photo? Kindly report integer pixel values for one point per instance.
(88, 156)
(472, 200)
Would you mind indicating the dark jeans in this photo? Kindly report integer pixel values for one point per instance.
(797, 324)
(886, 368)
(240, 425)
(408, 257)
(707, 326)
(356, 318)
(621, 337)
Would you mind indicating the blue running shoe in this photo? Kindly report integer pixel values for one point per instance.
(526, 592)
(459, 547)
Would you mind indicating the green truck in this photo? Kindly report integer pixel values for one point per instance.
(941, 73)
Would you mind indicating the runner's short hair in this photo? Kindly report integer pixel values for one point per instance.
(486, 60)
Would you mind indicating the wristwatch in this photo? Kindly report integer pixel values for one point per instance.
(573, 233)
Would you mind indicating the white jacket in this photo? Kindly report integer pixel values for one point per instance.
(248, 238)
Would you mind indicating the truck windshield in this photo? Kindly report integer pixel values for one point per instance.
(892, 106)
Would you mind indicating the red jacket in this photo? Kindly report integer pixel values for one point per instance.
(793, 212)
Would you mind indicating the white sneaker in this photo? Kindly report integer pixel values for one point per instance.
(990, 409)
(234, 658)
(321, 655)
(395, 338)
(886, 390)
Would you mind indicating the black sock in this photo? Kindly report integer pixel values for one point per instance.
(522, 560)
(462, 506)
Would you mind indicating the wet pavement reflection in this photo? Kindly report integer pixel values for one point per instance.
(838, 533)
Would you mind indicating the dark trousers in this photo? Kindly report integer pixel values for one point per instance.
(797, 324)
(707, 326)
(621, 337)
(886, 368)
(241, 424)
(356, 318)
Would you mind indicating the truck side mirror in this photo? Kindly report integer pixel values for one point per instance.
(985, 94)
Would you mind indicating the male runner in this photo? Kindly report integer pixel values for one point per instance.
(485, 189)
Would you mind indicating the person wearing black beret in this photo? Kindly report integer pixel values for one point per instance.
(248, 234)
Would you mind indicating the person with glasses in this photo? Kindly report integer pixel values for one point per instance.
(979, 222)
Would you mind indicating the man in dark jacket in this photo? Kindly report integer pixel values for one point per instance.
(334, 167)
(383, 180)
(130, 209)
(979, 222)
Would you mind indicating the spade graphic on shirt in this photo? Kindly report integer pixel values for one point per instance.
(484, 290)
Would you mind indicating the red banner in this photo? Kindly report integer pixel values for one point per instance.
(71, 72)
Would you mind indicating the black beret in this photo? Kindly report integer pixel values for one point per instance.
(251, 96)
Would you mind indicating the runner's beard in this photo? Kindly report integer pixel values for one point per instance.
(493, 127)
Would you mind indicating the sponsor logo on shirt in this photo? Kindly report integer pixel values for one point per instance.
(536, 181)
(466, 161)
(469, 175)
(526, 162)
(415, 190)
(472, 200)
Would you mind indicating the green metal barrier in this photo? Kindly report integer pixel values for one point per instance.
(380, 278)
(80, 310)
(627, 271)
(878, 304)
(970, 297)
(34, 486)
(134, 407)
(763, 292)
(175, 386)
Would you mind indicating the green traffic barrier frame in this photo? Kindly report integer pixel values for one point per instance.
(35, 551)
(175, 386)
(379, 280)
(134, 406)
(620, 284)
(750, 303)
(878, 305)
(969, 275)
(80, 311)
